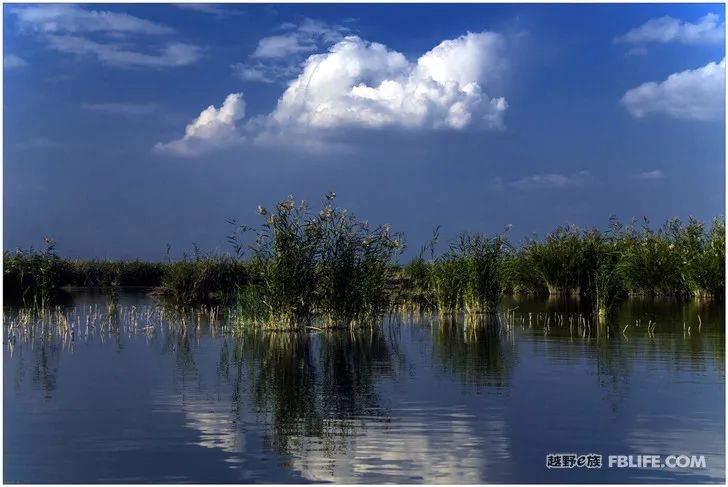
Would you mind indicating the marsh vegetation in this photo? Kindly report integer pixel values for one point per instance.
(306, 269)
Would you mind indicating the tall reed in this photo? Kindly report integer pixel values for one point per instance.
(327, 267)
(471, 274)
(30, 277)
(486, 271)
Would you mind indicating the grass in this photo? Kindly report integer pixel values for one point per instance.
(34, 278)
(327, 268)
(108, 274)
(202, 279)
(323, 269)
(31, 277)
(602, 266)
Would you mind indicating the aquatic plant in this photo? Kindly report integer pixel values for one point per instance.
(328, 267)
(202, 278)
(650, 263)
(448, 275)
(471, 275)
(486, 270)
(353, 266)
(600, 281)
(523, 277)
(703, 257)
(415, 284)
(284, 257)
(558, 260)
(107, 273)
(337, 270)
(30, 276)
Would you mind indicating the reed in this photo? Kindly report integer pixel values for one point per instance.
(557, 261)
(600, 281)
(202, 279)
(106, 273)
(471, 275)
(650, 263)
(448, 275)
(31, 277)
(329, 268)
(486, 270)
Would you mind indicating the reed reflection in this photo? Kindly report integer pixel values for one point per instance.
(307, 386)
(478, 349)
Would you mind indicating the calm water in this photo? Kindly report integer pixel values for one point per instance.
(146, 396)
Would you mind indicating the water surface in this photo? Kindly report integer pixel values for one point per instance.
(136, 393)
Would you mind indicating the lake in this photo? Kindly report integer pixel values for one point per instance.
(144, 394)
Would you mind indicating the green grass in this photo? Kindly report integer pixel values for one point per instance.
(327, 268)
(203, 280)
(107, 274)
(324, 269)
(31, 277)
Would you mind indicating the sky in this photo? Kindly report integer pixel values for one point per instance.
(128, 127)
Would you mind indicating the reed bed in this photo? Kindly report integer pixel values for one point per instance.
(309, 270)
(683, 260)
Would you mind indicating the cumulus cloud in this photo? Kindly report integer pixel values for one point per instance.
(128, 110)
(110, 37)
(696, 94)
(707, 30)
(11, 61)
(650, 175)
(214, 128)
(364, 84)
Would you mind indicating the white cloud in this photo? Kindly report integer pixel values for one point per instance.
(170, 55)
(110, 37)
(545, 181)
(214, 128)
(128, 110)
(650, 175)
(282, 46)
(278, 57)
(209, 8)
(305, 37)
(11, 61)
(64, 18)
(707, 30)
(696, 94)
(363, 84)
(264, 73)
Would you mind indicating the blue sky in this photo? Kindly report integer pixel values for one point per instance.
(468, 116)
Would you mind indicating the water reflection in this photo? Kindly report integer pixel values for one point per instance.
(478, 349)
(418, 399)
